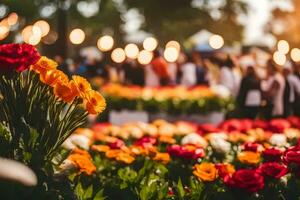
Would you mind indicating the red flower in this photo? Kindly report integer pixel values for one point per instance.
(272, 154)
(17, 57)
(117, 144)
(251, 146)
(295, 121)
(292, 155)
(187, 151)
(248, 179)
(258, 123)
(273, 169)
(146, 141)
(279, 125)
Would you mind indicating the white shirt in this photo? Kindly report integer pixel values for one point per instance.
(230, 79)
(188, 78)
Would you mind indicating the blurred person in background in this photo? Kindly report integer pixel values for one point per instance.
(296, 73)
(160, 67)
(133, 73)
(273, 91)
(291, 90)
(249, 96)
(188, 70)
(201, 70)
(228, 76)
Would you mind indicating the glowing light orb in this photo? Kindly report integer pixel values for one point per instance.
(77, 36)
(105, 43)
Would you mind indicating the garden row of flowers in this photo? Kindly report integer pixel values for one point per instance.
(176, 99)
(249, 159)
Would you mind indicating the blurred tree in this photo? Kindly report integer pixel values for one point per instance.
(178, 19)
(285, 24)
(66, 16)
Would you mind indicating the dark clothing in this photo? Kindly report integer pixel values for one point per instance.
(287, 105)
(134, 74)
(248, 83)
(201, 75)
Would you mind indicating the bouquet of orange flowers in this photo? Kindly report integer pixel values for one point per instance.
(39, 108)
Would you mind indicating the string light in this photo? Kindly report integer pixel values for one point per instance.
(216, 41)
(145, 57)
(283, 47)
(150, 44)
(118, 55)
(171, 54)
(43, 26)
(295, 55)
(12, 19)
(77, 36)
(174, 44)
(279, 58)
(131, 51)
(105, 43)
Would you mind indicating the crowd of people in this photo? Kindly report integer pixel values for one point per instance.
(266, 90)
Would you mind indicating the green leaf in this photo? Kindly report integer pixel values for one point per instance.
(180, 189)
(88, 193)
(99, 195)
(79, 191)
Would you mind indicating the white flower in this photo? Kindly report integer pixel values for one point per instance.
(278, 139)
(67, 165)
(220, 91)
(77, 140)
(15, 171)
(194, 138)
(220, 145)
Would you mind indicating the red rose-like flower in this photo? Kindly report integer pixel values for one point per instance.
(146, 141)
(252, 146)
(117, 144)
(273, 169)
(292, 155)
(279, 125)
(248, 179)
(187, 151)
(272, 154)
(17, 57)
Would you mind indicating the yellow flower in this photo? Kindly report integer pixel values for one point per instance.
(83, 161)
(249, 157)
(52, 77)
(44, 64)
(125, 158)
(206, 172)
(100, 148)
(82, 85)
(95, 102)
(65, 91)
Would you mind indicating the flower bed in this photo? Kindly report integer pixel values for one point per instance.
(178, 100)
(236, 159)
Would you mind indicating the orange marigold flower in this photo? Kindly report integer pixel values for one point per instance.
(100, 148)
(83, 161)
(44, 64)
(65, 91)
(95, 102)
(113, 153)
(167, 139)
(249, 157)
(82, 85)
(162, 157)
(52, 77)
(225, 169)
(206, 172)
(125, 157)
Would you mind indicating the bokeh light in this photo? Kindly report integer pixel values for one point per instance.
(77, 36)
(295, 55)
(12, 19)
(4, 29)
(216, 41)
(105, 43)
(283, 47)
(150, 44)
(34, 39)
(174, 44)
(43, 26)
(131, 51)
(145, 57)
(279, 58)
(171, 54)
(26, 33)
(118, 55)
